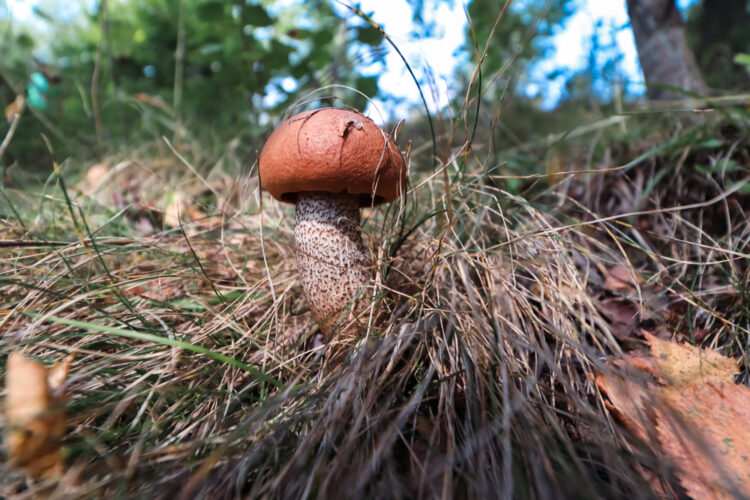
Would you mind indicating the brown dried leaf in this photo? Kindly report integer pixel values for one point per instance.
(345, 124)
(628, 398)
(174, 209)
(683, 364)
(178, 209)
(96, 175)
(155, 101)
(35, 413)
(555, 165)
(704, 429)
(621, 279)
(624, 315)
(15, 108)
(58, 374)
(702, 423)
(700, 414)
(162, 289)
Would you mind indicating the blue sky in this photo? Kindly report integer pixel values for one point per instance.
(437, 55)
(571, 47)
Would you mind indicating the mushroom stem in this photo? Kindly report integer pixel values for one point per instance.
(333, 262)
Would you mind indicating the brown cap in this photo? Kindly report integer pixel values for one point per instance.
(332, 150)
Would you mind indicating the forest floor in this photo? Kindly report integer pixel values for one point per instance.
(584, 335)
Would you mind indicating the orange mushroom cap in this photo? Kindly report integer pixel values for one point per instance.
(332, 150)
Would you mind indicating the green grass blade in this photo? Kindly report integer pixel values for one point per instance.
(164, 341)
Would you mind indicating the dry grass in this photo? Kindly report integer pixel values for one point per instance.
(474, 379)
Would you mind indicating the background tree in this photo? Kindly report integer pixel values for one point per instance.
(210, 71)
(663, 51)
(514, 43)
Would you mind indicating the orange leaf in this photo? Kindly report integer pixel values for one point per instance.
(703, 421)
(701, 416)
(704, 430)
(629, 399)
(156, 102)
(96, 175)
(621, 279)
(35, 413)
(15, 108)
(683, 364)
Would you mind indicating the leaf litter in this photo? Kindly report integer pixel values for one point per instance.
(700, 415)
(35, 414)
(505, 334)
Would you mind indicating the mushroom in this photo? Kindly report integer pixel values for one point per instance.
(330, 162)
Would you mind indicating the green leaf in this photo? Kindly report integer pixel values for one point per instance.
(742, 59)
(25, 41)
(369, 35)
(211, 11)
(299, 34)
(322, 37)
(708, 144)
(257, 15)
(210, 48)
(278, 56)
(299, 71)
(188, 304)
(741, 187)
(368, 85)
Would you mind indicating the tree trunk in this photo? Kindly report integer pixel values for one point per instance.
(662, 49)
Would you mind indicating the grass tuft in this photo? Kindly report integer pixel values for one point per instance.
(200, 373)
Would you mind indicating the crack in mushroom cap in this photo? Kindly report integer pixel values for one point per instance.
(332, 150)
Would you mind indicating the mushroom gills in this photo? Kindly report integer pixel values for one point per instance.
(333, 262)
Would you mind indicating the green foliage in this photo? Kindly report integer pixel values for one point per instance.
(520, 38)
(743, 60)
(717, 32)
(241, 66)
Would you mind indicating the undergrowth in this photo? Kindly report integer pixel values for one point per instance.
(199, 372)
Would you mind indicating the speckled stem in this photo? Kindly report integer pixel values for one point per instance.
(334, 264)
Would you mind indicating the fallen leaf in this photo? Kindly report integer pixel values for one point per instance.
(15, 108)
(96, 175)
(161, 289)
(156, 102)
(702, 424)
(345, 124)
(628, 397)
(624, 315)
(621, 279)
(704, 431)
(35, 413)
(174, 209)
(700, 414)
(555, 165)
(178, 209)
(684, 365)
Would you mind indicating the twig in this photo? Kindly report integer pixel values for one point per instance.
(37, 244)
(9, 135)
